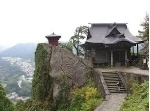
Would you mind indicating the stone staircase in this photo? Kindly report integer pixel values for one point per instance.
(111, 79)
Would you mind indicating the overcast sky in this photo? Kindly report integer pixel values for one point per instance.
(24, 21)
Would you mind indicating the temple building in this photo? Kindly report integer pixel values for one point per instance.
(110, 44)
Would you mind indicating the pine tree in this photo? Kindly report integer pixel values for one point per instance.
(79, 35)
(144, 34)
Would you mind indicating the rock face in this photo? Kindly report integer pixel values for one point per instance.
(57, 71)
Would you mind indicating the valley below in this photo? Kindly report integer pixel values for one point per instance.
(16, 76)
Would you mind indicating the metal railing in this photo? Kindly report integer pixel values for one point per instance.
(123, 81)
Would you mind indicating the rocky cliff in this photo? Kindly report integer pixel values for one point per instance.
(57, 71)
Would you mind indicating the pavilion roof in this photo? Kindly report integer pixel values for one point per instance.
(53, 35)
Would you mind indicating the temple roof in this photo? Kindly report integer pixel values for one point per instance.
(110, 33)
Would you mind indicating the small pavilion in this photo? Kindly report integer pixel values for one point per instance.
(110, 43)
(53, 39)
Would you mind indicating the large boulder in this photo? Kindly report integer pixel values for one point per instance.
(57, 71)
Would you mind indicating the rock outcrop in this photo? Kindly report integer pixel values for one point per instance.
(57, 71)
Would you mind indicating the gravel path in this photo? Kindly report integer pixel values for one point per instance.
(113, 103)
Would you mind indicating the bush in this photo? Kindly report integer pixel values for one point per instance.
(85, 99)
(138, 100)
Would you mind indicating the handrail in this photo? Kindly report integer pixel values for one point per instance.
(122, 79)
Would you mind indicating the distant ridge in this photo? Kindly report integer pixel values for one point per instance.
(21, 50)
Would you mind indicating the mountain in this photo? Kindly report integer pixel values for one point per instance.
(21, 50)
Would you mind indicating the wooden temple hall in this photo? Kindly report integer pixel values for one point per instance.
(110, 44)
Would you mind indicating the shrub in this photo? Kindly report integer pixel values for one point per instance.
(85, 99)
(138, 100)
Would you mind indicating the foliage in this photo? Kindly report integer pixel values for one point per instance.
(67, 45)
(5, 103)
(41, 83)
(25, 90)
(144, 34)
(138, 100)
(12, 86)
(84, 99)
(9, 75)
(9, 72)
(33, 105)
(80, 34)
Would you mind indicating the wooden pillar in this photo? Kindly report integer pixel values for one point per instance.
(133, 49)
(137, 50)
(111, 58)
(126, 56)
(93, 54)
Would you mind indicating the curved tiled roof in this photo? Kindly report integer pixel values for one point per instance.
(53, 35)
(103, 33)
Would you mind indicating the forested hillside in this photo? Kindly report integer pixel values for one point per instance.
(16, 69)
(10, 75)
(9, 72)
(21, 50)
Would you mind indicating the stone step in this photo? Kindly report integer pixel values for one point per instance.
(116, 91)
(111, 80)
(115, 88)
(109, 72)
(110, 76)
(117, 79)
(112, 86)
(122, 89)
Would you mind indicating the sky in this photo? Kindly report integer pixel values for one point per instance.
(23, 21)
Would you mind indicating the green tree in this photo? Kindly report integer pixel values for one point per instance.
(25, 90)
(42, 82)
(68, 46)
(144, 34)
(5, 103)
(80, 34)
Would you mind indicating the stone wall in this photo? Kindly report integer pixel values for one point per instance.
(100, 83)
(131, 78)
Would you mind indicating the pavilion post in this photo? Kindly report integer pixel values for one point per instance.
(126, 56)
(111, 58)
(137, 50)
(133, 49)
